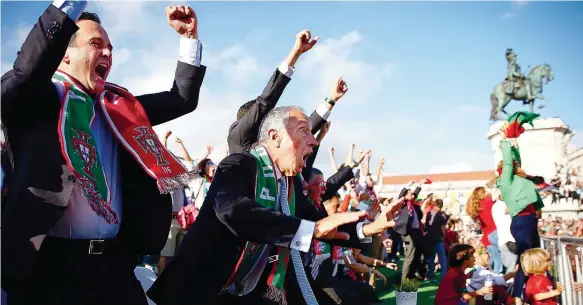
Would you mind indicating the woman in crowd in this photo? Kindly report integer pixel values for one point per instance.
(199, 187)
(479, 207)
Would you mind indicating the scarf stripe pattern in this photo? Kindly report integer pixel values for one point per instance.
(255, 256)
(127, 120)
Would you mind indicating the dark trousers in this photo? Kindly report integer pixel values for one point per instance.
(66, 275)
(525, 232)
(413, 252)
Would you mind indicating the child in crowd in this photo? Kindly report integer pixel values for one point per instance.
(478, 275)
(539, 290)
(452, 289)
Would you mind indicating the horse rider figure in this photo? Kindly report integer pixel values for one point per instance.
(515, 77)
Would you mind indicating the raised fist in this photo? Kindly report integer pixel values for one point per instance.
(304, 42)
(339, 89)
(183, 19)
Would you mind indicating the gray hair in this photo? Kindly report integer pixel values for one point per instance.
(276, 119)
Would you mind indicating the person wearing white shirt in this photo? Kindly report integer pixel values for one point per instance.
(502, 220)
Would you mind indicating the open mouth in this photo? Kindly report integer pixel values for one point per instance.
(101, 70)
(305, 158)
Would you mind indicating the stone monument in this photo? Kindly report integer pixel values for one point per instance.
(545, 149)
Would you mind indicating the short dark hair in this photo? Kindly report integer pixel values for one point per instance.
(84, 16)
(458, 254)
(438, 203)
(244, 109)
(315, 172)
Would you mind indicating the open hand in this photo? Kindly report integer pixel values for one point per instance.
(183, 19)
(327, 228)
(209, 148)
(177, 140)
(362, 155)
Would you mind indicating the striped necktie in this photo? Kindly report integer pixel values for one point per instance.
(307, 292)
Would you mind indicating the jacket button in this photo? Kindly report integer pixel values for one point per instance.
(52, 29)
(298, 243)
(72, 178)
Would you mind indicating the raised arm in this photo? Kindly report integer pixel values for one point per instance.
(507, 175)
(183, 96)
(379, 173)
(320, 116)
(39, 57)
(366, 166)
(243, 133)
(333, 163)
(349, 156)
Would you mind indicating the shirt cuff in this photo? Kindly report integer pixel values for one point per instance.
(359, 231)
(323, 111)
(73, 9)
(303, 238)
(190, 51)
(286, 70)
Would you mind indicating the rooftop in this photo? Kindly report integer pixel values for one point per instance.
(444, 177)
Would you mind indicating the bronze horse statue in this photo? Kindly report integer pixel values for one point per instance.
(504, 92)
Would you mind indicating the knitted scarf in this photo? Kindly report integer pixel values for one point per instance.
(255, 256)
(129, 123)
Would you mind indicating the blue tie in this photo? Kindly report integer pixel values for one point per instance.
(295, 254)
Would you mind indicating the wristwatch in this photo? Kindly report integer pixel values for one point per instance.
(330, 101)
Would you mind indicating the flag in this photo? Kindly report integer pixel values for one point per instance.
(514, 125)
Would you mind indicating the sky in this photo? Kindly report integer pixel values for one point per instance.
(420, 74)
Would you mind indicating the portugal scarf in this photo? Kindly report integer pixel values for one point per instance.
(255, 256)
(129, 123)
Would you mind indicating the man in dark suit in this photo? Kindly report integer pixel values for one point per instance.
(408, 225)
(243, 132)
(231, 216)
(63, 241)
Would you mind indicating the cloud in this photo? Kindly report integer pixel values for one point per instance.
(520, 3)
(508, 15)
(333, 57)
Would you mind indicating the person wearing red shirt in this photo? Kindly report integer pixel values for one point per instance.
(452, 288)
(539, 290)
(479, 207)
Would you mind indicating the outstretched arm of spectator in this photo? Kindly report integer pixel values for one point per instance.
(366, 165)
(350, 154)
(333, 163)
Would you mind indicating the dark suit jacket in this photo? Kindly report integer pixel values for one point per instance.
(402, 222)
(335, 182)
(42, 184)
(243, 133)
(229, 217)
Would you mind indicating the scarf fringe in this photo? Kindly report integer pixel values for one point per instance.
(170, 184)
(275, 294)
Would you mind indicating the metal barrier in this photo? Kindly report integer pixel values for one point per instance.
(566, 253)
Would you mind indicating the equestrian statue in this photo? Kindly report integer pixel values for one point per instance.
(519, 87)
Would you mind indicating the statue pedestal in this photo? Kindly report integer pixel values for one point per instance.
(541, 147)
(546, 151)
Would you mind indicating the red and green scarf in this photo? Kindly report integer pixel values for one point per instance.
(255, 256)
(129, 123)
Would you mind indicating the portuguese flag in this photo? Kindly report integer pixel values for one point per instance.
(513, 126)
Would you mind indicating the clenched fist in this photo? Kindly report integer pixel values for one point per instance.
(183, 19)
(304, 42)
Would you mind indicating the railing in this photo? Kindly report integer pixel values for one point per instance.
(566, 253)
